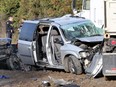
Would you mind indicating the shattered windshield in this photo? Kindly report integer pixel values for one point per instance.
(81, 30)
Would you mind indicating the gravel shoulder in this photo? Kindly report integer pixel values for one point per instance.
(35, 78)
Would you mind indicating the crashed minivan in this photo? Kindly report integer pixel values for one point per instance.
(68, 42)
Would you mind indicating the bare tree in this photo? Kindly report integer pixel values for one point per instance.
(2, 26)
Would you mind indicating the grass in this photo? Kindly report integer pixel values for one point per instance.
(2, 35)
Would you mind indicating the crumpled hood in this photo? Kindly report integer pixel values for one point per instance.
(91, 39)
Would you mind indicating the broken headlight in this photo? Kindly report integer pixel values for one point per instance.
(84, 54)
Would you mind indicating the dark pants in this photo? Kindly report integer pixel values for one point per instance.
(9, 35)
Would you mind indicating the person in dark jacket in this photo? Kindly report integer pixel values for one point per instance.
(9, 27)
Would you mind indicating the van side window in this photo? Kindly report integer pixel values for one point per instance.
(27, 31)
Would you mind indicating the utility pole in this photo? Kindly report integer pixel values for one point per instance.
(74, 10)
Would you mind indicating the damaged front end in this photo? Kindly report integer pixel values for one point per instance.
(91, 55)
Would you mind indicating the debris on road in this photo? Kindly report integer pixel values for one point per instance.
(59, 83)
(4, 77)
(46, 84)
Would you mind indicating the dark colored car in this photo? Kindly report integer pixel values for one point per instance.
(8, 54)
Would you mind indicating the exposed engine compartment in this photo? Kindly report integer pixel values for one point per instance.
(86, 45)
(89, 50)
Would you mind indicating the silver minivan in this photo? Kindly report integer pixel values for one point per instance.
(69, 43)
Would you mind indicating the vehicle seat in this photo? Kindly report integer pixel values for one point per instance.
(56, 46)
(44, 38)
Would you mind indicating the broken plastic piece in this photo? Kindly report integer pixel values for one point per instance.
(4, 77)
(46, 83)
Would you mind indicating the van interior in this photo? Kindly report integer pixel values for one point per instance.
(40, 38)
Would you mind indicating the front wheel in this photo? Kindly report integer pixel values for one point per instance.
(74, 65)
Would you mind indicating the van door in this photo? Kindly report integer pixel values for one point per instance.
(26, 43)
(53, 46)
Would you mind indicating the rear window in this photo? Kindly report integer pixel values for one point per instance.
(27, 31)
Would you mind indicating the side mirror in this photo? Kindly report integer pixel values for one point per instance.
(57, 40)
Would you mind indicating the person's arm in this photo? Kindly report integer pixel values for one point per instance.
(7, 26)
(11, 27)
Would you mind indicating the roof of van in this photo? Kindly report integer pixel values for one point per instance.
(60, 20)
(67, 20)
(32, 21)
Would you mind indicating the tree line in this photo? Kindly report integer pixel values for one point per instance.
(34, 9)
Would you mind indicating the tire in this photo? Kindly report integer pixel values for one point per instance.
(66, 64)
(109, 78)
(14, 63)
(106, 78)
(74, 65)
